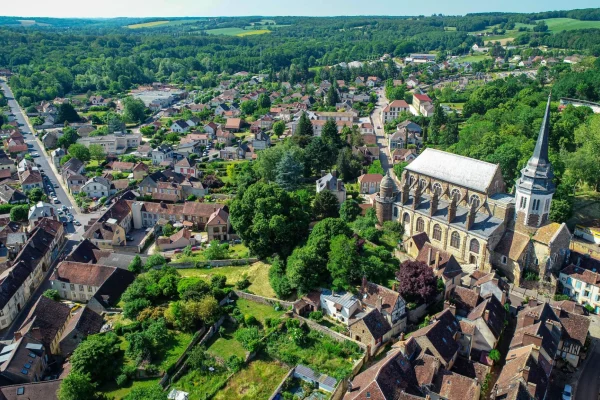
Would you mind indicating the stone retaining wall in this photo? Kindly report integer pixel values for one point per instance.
(263, 300)
(218, 263)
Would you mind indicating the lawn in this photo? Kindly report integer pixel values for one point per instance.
(225, 31)
(477, 58)
(226, 346)
(201, 387)
(569, 24)
(147, 24)
(258, 275)
(586, 207)
(260, 311)
(112, 391)
(257, 381)
(174, 348)
(458, 106)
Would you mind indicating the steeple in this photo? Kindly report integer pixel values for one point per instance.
(540, 153)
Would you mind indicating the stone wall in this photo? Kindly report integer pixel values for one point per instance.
(278, 389)
(218, 263)
(263, 300)
(329, 332)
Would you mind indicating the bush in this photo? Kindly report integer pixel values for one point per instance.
(52, 294)
(561, 297)
(316, 316)
(243, 283)
(532, 276)
(234, 363)
(495, 355)
(250, 320)
(122, 379)
(589, 308)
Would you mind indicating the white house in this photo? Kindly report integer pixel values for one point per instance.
(340, 306)
(97, 187)
(162, 153)
(180, 126)
(334, 185)
(582, 282)
(393, 110)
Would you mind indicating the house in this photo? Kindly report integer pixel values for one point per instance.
(98, 187)
(75, 182)
(387, 301)
(211, 128)
(218, 225)
(366, 128)
(186, 167)
(225, 137)
(82, 323)
(373, 81)
(488, 320)
(96, 100)
(368, 152)
(180, 126)
(333, 184)
(178, 240)
(41, 210)
(25, 361)
(400, 155)
(393, 110)
(46, 390)
(372, 329)
(443, 263)
(116, 143)
(418, 99)
(6, 164)
(73, 166)
(106, 234)
(81, 281)
(581, 280)
(261, 141)
(190, 213)
(31, 179)
(121, 166)
(56, 155)
(162, 153)
(8, 195)
(221, 109)
(140, 171)
(369, 183)
(339, 306)
(233, 124)
(317, 380)
(50, 140)
(85, 130)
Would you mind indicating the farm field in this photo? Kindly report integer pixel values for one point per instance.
(569, 24)
(477, 58)
(253, 32)
(147, 24)
(236, 31)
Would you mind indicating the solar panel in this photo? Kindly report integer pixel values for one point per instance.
(24, 371)
(31, 355)
(27, 366)
(21, 390)
(8, 348)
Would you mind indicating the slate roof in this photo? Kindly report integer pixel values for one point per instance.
(83, 253)
(109, 294)
(448, 266)
(493, 313)
(465, 171)
(45, 390)
(464, 298)
(370, 292)
(85, 321)
(45, 320)
(376, 323)
(440, 335)
(315, 376)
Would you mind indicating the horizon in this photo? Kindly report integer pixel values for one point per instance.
(113, 9)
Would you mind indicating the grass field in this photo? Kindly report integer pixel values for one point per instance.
(256, 381)
(258, 275)
(236, 31)
(569, 24)
(226, 346)
(147, 24)
(260, 311)
(199, 386)
(112, 391)
(253, 32)
(477, 58)
(586, 207)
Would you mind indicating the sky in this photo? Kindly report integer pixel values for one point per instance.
(193, 8)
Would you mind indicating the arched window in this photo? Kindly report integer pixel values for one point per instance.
(396, 212)
(437, 232)
(547, 206)
(455, 240)
(422, 183)
(437, 188)
(475, 201)
(455, 194)
(474, 246)
(420, 224)
(411, 180)
(406, 218)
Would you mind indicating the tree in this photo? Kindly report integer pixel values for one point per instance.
(155, 260)
(114, 123)
(416, 282)
(35, 195)
(278, 280)
(344, 262)
(289, 172)
(332, 97)
(269, 219)
(66, 113)
(399, 168)
(135, 265)
(248, 107)
(348, 166)
(495, 355)
(19, 213)
(154, 392)
(330, 135)
(349, 210)
(79, 151)
(561, 210)
(376, 168)
(52, 294)
(134, 110)
(319, 156)
(68, 138)
(326, 205)
(77, 386)
(279, 128)
(97, 152)
(217, 251)
(438, 119)
(263, 101)
(304, 131)
(97, 356)
(394, 229)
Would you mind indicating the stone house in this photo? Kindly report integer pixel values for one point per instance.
(218, 225)
(82, 323)
(97, 187)
(106, 234)
(178, 240)
(31, 179)
(369, 183)
(372, 330)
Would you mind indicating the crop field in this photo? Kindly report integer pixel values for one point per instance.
(147, 24)
(253, 32)
(236, 31)
(569, 24)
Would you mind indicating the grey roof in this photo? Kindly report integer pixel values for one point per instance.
(315, 376)
(344, 299)
(502, 198)
(120, 260)
(484, 225)
(455, 169)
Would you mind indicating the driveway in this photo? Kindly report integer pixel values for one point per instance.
(44, 163)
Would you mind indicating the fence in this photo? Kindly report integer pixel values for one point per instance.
(217, 263)
(263, 300)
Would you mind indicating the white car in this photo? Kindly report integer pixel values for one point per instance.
(35, 154)
(567, 393)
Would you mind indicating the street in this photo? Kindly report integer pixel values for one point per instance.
(588, 384)
(384, 156)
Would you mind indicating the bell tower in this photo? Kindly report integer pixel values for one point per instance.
(535, 188)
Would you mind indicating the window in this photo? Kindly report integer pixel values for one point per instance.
(547, 206)
(437, 232)
(411, 180)
(455, 194)
(72, 286)
(577, 284)
(455, 240)
(504, 259)
(586, 293)
(81, 288)
(437, 189)
(536, 204)
(523, 203)
(64, 285)
(396, 212)
(475, 201)
(406, 218)
(89, 288)
(420, 224)
(474, 246)
(422, 183)
(569, 281)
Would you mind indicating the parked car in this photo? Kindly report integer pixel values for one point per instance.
(177, 251)
(77, 223)
(35, 154)
(130, 238)
(567, 393)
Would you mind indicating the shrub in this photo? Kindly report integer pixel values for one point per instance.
(495, 355)
(561, 297)
(589, 308)
(122, 379)
(243, 283)
(316, 316)
(250, 320)
(234, 363)
(52, 294)
(531, 276)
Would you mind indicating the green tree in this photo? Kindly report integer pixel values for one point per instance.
(168, 230)
(269, 219)
(348, 165)
(66, 113)
(114, 123)
(77, 386)
(437, 121)
(349, 210)
(326, 205)
(155, 260)
(19, 213)
(332, 97)
(399, 168)
(344, 262)
(330, 135)
(263, 101)
(495, 355)
(217, 251)
(278, 279)
(376, 168)
(97, 356)
(52, 294)
(154, 392)
(304, 131)
(318, 156)
(134, 110)
(289, 172)
(35, 195)
(248, 107)
(135, 265)
(279, 128)
(79, 151)
(97, 152)
(68, 137)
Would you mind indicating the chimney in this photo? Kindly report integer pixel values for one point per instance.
(378, 304)
(528, 319)
(364, 283)
(339, 185)
(395, 287)
(477, 289)
(486, 315)
(429, 259)
(529, 338)
(525, 373)
(434, 204)
(437, 261)
(452, 210)
(349, 385)
(401, 338)
(18, 335)
(531, 387)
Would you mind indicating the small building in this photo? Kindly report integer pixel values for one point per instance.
(369, 183)
(333, 184)
(340, 306)
(31, 179)
(218, 225)
(178, 240)
(393, 110)
(319, 381)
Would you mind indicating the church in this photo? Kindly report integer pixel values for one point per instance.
(462, 205)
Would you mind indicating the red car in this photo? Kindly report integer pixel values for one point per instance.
(177, 251)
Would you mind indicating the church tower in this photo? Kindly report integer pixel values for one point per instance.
(385, 198)
(534, 189)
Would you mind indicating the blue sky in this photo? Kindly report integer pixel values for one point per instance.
(168, 8)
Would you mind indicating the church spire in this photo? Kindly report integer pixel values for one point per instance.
(540, 153)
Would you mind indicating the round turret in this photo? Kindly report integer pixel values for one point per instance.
(387, 186)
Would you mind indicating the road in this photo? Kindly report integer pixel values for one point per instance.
(384, 155)
(44, 163)
(588, 384)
